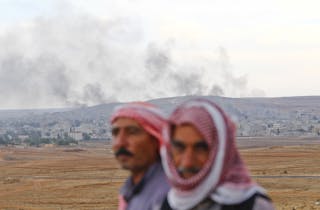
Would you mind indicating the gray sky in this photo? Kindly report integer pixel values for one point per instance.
(57, 53)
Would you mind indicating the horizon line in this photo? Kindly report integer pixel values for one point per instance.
(59, 108)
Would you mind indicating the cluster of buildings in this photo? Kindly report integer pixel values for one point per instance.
(75, 130)
(297, 123)
(253, 117)
(99, 130)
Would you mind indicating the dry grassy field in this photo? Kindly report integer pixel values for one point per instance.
(87, 177)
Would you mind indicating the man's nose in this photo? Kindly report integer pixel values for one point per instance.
(188, 159)
(119, 140)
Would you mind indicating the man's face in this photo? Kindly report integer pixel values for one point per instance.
(189, 150)
(135, 149)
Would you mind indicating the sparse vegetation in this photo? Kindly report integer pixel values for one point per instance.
(36, 142)
(89, 177)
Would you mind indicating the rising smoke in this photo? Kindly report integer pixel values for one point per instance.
(83, 60)
(190, 79)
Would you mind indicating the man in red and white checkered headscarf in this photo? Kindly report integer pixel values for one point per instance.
(136, 139)
(203, 164)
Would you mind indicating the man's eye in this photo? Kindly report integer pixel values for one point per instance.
(114, 131)
(202, 147)
(177, 145)
(134, 130)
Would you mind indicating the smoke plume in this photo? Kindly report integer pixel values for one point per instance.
(72, 60)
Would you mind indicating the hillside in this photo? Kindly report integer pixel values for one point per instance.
(284, 116)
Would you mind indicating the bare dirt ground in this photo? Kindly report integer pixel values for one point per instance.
(87, 177)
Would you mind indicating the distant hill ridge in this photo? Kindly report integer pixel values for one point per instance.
(282, 116)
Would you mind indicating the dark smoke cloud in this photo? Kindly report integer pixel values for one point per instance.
(216, 90)
(189, 84)
(235, 85)
(164, 72)
(24, 79)
(183, 79)
(64, 61)
(95, 94)
(77, 59)
(157, 62)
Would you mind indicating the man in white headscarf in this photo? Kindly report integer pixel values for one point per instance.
(203, 165)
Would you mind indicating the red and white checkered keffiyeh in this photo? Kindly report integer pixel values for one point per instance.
(146, 114)
(224, 178)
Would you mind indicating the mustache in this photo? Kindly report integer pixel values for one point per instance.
(123, 151)
(191, 170)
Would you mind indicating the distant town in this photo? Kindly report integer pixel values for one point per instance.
(254, 117)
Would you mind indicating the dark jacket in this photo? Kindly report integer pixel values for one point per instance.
(149, 193)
